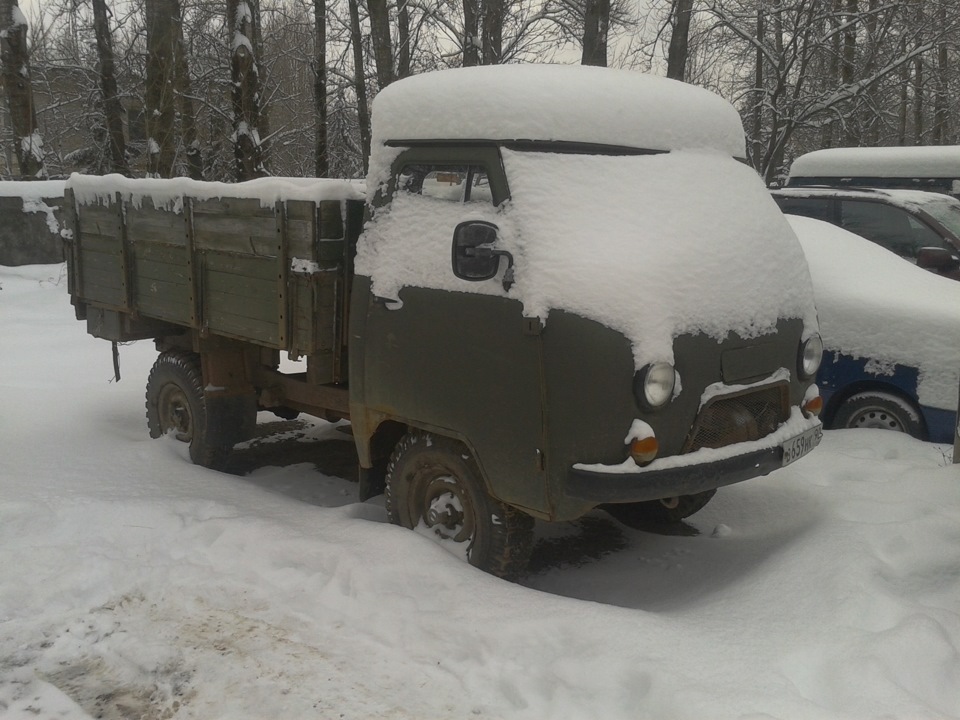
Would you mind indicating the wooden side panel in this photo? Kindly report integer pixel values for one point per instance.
(235, 225)
(162, 288)
(240, 296)
(102, 277)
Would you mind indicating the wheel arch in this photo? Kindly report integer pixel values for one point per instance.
(841, 395)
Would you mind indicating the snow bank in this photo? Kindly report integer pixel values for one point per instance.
(873, 304)
(169, 193)
(133, 584)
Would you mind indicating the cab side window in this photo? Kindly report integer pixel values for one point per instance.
(457, 183)
(816, 208)
(891, 227)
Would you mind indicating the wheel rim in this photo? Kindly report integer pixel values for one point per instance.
(876, 418)
(175, 414)
(443, 507)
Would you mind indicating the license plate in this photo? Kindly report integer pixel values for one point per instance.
(796, 448)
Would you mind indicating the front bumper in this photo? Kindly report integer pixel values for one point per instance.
(705, 469)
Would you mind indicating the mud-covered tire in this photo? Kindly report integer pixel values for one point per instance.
(176, 404)
(879, 410)
(660, 512)
(433, 486)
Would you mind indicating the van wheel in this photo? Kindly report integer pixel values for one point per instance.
(659, 512)
(879, 410)
(176, 404)
(433, 486)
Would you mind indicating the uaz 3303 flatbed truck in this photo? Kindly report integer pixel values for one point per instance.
(523, 316)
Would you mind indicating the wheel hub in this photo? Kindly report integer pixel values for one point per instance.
(878, 419)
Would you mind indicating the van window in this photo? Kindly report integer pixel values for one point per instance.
(458, 183)
(891, 227)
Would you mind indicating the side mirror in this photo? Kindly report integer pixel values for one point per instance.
(937, 259)
(474, 257)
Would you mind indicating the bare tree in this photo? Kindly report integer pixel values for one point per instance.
(112, 107)
(679, 39)
(28, 144)
(380, 36)
(242, 27)
(159, 117)
(595, 28)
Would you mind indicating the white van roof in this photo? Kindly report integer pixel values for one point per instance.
(942, 161)
(566, 103)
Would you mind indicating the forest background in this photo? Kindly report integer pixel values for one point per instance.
(233, 89)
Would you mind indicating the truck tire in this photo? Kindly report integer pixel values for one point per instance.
(433, 486)
(660, 512)
(880, 410)
(176, 404)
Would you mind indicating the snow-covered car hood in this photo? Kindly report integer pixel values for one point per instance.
(873, 304)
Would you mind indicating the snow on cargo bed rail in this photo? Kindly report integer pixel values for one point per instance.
(169, 193)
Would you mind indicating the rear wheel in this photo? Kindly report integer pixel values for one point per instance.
(176, 405)
(660, 512)
(433, 486)
(879, 410)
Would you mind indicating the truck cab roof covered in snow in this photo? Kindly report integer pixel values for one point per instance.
(565, 103)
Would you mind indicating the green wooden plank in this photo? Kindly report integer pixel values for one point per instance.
(242, 327)
(249, 266)
(108, 295)
(104, 262)
(253, 307)
(163, 301)
(331, 219)
(100, 220)
(264, 291)
(148, 270)
(100, 243)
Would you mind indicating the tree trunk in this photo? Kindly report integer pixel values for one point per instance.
(679, 40)
(403, 39)
(904, 97)
(471, 45)
(245, 74)
(184, 97)
(360, 83)
(851, 135)
(382, 46)
(112, 107)
(595, 26)
(159, 100)
(28, 145)
(942, 100)
(322, 159)
(918, 104)
(492, 31)
(759, 93)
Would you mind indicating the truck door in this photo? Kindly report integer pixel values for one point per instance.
(439, 352)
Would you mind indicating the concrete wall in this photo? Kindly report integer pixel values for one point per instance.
(30, 231)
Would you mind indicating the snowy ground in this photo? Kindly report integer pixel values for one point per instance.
(136, 585)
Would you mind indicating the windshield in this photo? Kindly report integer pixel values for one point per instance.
(946, 212)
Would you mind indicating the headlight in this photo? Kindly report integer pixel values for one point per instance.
(654, 385)
(808, 360)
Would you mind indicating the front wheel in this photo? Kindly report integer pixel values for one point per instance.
(433, 486)
(879, 410)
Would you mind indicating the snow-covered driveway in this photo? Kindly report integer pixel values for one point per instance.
(134, 584)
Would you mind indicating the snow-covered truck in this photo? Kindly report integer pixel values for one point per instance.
(560, 291)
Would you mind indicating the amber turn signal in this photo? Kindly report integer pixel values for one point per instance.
(814, 406)
(643, 451)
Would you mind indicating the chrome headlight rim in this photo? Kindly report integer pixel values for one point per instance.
(654, 385)
(809, 356)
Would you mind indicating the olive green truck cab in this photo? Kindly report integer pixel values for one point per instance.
(524, 316)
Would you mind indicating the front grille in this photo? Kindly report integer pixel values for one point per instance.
(745, 416)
